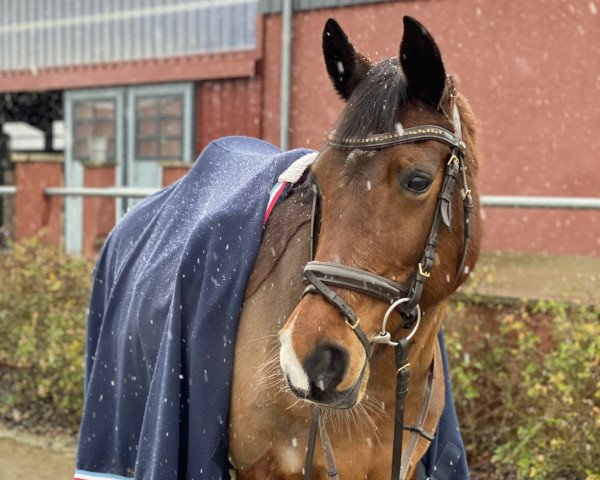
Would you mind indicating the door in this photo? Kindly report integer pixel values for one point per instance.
(94, 134)
(160, 130)
(135, 128)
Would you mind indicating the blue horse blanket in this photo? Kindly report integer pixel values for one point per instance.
(166, 299)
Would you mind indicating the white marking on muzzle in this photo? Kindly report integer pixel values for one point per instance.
(290, 364)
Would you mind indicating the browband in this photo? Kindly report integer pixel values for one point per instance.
(408, 135)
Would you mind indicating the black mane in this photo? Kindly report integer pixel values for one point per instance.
(375, 103)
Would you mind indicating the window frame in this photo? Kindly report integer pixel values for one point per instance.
(159, 118)
(186, 92)
(94, 121)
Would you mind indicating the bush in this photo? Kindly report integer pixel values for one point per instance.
(43, 301)
(527, 386)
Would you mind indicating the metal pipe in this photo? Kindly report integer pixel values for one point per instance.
(8, 189)
(561, 203)
(114, 192)
(286, 74)
(490, 201)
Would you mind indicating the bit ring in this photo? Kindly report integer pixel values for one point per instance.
(384, 336)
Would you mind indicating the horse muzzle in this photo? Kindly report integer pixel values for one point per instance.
(322, 372)
(333, 399)
(319, 376)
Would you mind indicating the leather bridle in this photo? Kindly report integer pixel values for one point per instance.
(322, 277)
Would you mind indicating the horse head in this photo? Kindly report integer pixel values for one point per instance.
(379, 191)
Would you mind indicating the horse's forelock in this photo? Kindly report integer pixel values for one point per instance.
(376, 102)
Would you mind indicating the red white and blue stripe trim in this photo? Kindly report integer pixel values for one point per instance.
(86, 475)
(297, 169)
(292, 175)
(276, 192)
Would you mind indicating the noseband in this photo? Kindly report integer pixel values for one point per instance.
(403, 298)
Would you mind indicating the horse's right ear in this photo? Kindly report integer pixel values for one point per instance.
(345, 66)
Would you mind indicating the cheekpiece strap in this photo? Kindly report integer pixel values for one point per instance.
(408, 135)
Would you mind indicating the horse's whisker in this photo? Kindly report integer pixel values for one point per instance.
(272, 335)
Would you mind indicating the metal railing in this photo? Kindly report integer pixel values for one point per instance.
(8, 189)
(561, 203)
(114, 192)
(490, 201)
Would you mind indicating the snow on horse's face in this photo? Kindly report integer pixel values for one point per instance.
(376, 209)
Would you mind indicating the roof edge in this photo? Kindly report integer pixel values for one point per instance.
(268, 7)
(210, 66)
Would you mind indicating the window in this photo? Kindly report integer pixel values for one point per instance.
(94, 131)
(159, 127)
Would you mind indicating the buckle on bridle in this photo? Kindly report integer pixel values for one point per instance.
(423, 272)
(453, 158)
(352, 325)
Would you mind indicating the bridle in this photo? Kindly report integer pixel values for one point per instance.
(403, 298)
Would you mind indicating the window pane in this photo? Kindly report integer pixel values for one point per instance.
(105, 109)
(98, 149)
(170, 148)
(84, 129)
(111, 149)
(146, 107)
(171, 127)
(171, 105)
(159, 127)
(104, 128)
(83, 110)
(81, 150)
(147, 128)
(94, 130)
(147, 148)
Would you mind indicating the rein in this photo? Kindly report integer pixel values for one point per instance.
(403, 298)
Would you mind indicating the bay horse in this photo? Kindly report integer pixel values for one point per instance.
(387, 248)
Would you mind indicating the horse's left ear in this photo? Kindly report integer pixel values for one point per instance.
(346, 67)
(422, 63)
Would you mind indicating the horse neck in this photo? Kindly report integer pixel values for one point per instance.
(383, 364)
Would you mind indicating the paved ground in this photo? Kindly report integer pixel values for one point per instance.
(29, 456)
(537, 277)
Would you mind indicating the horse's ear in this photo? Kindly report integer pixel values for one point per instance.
(422, 63)
(345, 66)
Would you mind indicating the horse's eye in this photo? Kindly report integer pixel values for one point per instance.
(418, 183)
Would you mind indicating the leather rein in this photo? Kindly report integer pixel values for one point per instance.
(403, 298)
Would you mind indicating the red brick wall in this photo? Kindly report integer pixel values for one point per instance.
(172, 173)
(227, 107)
(531, 72)
(36, 213)
(98, 213)
(39, 214)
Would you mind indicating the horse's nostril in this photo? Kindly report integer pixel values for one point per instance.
(326, 366)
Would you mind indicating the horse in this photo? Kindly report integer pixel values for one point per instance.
(377, 207)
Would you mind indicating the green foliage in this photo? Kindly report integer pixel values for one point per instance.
(43, 300)
(527, 385)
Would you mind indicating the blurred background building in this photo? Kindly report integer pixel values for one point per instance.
(104, 93)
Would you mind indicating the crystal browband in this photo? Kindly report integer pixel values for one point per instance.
(413, 134)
